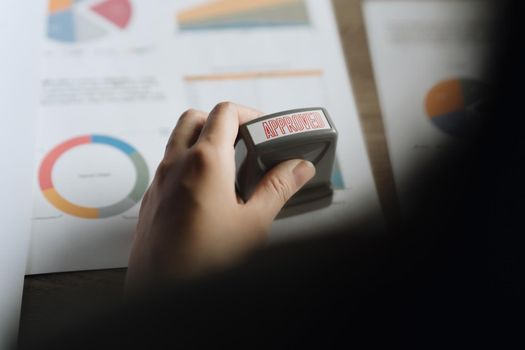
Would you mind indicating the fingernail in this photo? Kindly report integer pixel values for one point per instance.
(303, 172)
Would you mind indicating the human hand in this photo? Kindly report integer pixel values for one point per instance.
(191, 219)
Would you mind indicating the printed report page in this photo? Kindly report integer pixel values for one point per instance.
(428, 59)
(106, 109)
(117, 74)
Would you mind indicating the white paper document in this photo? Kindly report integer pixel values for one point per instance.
(106, 108)
(18, 27)
(428, 59)
(117, 74)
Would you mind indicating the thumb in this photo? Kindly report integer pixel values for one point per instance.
(279, 185)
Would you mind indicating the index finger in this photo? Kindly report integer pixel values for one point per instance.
(223, 123)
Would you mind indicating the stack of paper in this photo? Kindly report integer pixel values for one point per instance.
(112, 77)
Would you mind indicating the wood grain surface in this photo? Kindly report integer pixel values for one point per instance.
(50, 299)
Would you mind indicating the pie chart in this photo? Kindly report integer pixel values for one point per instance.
(73, 21)
(454, 105)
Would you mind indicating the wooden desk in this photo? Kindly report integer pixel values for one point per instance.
(47, 297)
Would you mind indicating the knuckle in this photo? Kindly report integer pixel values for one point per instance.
(203, 154)
(280, 188)
(170, 144)
(162, 171)
(188, 114)
(224, 106)
(163, 167)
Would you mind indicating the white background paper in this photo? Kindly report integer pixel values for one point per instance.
(19, 23)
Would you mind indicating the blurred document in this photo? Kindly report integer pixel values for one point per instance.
(18, 25)
(429, 59)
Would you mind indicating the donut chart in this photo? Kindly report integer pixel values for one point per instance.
(453, 105)
(51, 194)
